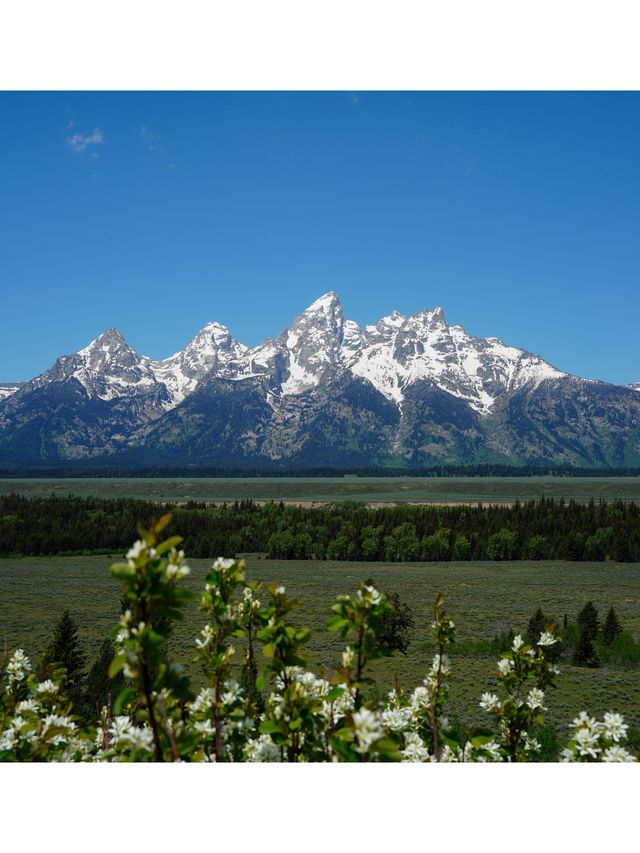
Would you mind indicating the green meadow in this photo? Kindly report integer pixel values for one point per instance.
(483, 598)
(317, 489)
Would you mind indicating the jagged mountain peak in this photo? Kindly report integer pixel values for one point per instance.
(329, 301)
(110, 339)
(211, 337)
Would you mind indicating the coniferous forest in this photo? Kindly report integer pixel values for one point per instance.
(544, 529)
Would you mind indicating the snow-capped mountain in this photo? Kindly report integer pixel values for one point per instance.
(635, 386)
(408, 388)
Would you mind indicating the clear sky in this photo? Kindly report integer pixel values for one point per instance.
(518, 213)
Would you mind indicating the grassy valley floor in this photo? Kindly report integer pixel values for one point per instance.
(483, 598)
(329, 489)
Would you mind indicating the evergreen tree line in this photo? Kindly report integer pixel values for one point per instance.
(545, 529)
(587, 641)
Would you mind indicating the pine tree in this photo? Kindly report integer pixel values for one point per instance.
(588, 620)
(65, 650)
(612, 627)
(101, 690)
(536, 626)
(585, 653)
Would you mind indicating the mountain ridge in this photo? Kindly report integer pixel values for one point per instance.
(407, 389)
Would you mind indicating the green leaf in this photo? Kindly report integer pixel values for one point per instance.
(335, 693)
(480, 740)
(268, 727)
(116, 665)
(124, 697)
(161, 523)
(168, 544)
(121, 571)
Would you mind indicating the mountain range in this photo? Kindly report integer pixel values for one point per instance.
(407, 391)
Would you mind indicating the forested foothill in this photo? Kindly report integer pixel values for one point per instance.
(544, 529)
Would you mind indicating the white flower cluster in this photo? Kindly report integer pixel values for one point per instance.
(138, 550)
(262, 749)
(368, 595)
(176, 566)
(18, 668)
(595, 740)
(38, 729)
(123, 737)
(367, 729)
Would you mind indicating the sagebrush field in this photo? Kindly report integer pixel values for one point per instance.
(323, 489)
(483, 598)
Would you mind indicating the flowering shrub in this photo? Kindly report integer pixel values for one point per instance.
(284, 712)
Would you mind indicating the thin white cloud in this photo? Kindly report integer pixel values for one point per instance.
(152, 142)
(80, 142)
(149, 139)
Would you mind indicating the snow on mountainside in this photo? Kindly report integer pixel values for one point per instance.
(108, 368)
(9, 388)
(212, 349)
(400, 351)
(320, 346)
(635, 386)
(394, 354)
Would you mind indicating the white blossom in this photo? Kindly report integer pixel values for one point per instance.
(232, 694)
(370, 595)
(489, 702)
(505, 666)
(347, 657)
(208, 635)
(203, 700)
(614, 726)
(415, 750)
(617, 753)
(584, 720)
(396, 719)
(139, 737)
(547, 639)
(530, 743)
(488, 752)
(137, 550)
(204, 727)
(46, 687)
(368, 729)
(440, 662)
(18, 667)
(535, 698)
(586, 742)
(518, 643)
(262, 749)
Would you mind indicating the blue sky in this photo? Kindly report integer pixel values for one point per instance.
(518, 213)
